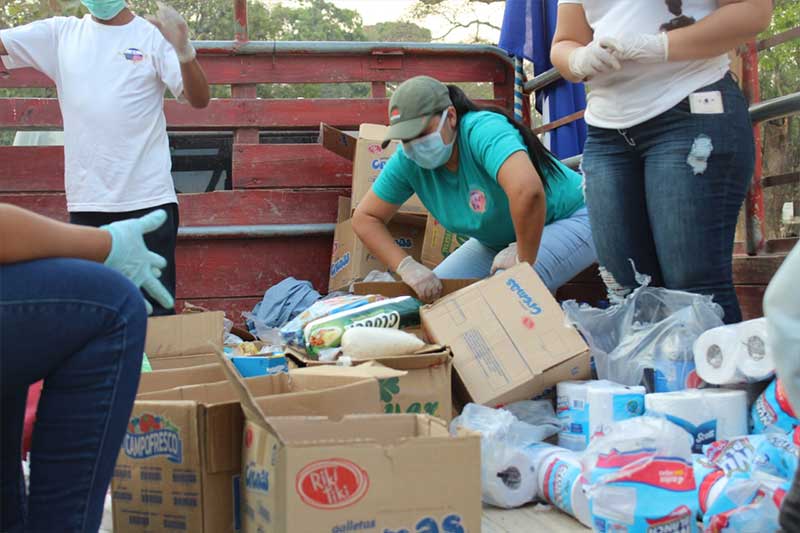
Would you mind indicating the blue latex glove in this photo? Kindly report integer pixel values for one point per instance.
(130, 256)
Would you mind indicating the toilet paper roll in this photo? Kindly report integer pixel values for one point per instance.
(716, 354)
(707, 415)
(754, 361)
(511, 480)
(560, 483)
(612, 403)
(571, 407)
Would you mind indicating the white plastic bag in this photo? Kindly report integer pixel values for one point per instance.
(653, 328)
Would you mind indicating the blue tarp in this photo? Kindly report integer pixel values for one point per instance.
(528, 29)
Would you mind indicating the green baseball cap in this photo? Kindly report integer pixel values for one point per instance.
(415, 102)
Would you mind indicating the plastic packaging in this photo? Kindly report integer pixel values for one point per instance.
(755, 506)
(653, 328)
(772, 411)
(292, 333)
(327, 332)
(362, 343)
(535, 412)
(640, 478)
(734, 354)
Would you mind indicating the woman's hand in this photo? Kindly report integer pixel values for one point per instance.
(506, 259)
(643, 48)
(420, 278)
(598, 57)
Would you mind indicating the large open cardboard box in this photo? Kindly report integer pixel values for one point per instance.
(509, 338)
(364, 150)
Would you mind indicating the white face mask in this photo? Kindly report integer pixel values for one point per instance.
(430, 151)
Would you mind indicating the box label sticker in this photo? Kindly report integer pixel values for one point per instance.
(332, 484)
(152, 436)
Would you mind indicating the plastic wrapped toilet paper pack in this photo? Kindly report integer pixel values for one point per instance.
(640, 478)
(706, 415)
(560, 482)
(586, 408)
(772, 411)
(734, 353)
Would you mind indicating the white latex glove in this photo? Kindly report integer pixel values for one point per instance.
(644, 48)
(420, 278)
(506, 259)
(175, 30)
(597, 57)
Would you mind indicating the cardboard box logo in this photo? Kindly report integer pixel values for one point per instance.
(340, 264)
(332, 484)
(525, 299)
(256, 478)
(152, 435)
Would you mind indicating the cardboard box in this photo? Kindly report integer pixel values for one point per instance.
(186, 340)
(180, 462)
(398, 288)
(439, 243)
(368, 158)
(414, 383)
(351, 261)
(362, 473)
(508, 337)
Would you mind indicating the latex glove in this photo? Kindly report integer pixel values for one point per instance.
(420, 278)
(505, 259)
(130, 256)
(175, 30)
(597, 57)
(644, 48)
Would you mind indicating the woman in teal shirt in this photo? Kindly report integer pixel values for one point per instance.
(481, 174)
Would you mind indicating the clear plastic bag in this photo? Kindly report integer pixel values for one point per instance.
(536, 413)
(652, 328)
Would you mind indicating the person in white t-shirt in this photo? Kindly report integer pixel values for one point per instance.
(670, 153)
(111, 69)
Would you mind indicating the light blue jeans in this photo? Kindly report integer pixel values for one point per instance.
(565, 251)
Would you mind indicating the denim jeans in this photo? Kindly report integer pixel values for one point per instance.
(658, 197)
(566, 249)
(81, 327)
(161, 241)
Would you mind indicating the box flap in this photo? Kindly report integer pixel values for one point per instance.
(337, 141)
(189, 334)
(371, 370)
(372, 132)
(204, 394)
(180, 377)
(411, 362)
(504, 332)
(344, 209)
(382, 429)
(395, 289)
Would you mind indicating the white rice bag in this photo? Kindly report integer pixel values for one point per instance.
(364, 343)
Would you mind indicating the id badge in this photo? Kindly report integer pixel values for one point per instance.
(706, 103)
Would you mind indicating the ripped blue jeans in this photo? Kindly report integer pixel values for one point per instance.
(667, 193)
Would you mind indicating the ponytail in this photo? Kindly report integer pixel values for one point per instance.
(543, 160)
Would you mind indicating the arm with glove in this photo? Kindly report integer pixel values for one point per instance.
(176, 32)
(526, 198)
(26, 236)
(369, 224)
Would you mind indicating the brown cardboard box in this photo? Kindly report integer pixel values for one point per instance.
(508, 337)
(414, 383)
(439, 243)
(179, 466)
(398, 288)
(352, 261)
(361, 473)
(368, 159)
(184, 340)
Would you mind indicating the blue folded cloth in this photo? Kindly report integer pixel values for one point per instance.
(283, 302)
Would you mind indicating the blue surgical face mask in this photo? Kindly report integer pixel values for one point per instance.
(430, 151)
(104, 9)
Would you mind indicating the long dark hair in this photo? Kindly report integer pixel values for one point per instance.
(543, 160)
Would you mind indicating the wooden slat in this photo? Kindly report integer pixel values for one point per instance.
(569, 119)
(246, 268)
(790, 178)
(223, 70)
(31, 169)
(225, 113)
(756, 270)
(289, 165)
(221, 208)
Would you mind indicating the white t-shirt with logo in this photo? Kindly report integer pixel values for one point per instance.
(639, 92)
(111, 82)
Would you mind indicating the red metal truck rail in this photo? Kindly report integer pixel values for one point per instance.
(274, 217)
